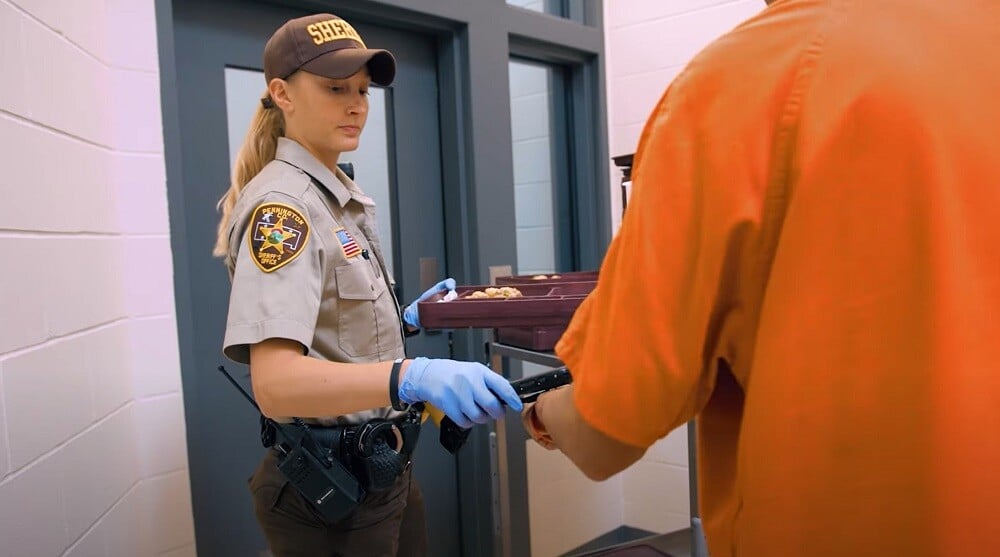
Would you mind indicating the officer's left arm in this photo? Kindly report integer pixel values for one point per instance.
(554, 422)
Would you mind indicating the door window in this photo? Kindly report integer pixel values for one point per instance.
(572, 9)
(542, 200)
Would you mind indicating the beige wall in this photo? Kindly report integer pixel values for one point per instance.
(92, 453)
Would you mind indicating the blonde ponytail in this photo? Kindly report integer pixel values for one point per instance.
(258, 149)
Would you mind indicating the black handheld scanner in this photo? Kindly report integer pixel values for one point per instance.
(528, 389)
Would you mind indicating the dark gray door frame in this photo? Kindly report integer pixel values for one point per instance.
(475, 41)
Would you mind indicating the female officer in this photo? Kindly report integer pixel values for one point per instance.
(311, 307)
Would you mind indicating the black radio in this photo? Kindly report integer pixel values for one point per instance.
(327, 484)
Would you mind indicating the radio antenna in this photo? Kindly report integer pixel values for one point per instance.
(240, 387)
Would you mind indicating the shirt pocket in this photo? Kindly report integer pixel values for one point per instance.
(357, 322)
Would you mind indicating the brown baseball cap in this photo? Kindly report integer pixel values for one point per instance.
(326, 45)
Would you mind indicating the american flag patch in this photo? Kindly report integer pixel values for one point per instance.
(347, 243)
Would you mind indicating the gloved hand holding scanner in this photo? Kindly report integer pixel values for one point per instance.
(453, 436)
(456, 395)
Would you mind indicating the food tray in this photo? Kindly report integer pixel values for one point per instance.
(572, 276)
(540, 304)
(532, 338)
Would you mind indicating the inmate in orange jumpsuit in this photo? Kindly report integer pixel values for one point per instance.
(817, 206)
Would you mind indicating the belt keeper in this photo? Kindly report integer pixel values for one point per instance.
(397, 364)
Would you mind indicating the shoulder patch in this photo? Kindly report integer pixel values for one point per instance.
(277, 235)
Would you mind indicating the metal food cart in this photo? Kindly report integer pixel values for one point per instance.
(508, 470)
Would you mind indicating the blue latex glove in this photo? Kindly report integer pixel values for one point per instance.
(410, 315)
(467, 392)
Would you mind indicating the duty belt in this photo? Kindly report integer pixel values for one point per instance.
(375, 452)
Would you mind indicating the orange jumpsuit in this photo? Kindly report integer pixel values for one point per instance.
(810, 263)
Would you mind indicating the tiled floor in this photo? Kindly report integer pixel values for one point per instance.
(675, 544)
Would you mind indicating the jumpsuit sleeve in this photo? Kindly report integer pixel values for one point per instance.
(277, 278)
(644, 347)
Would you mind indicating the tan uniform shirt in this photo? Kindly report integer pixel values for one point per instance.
(306, 265)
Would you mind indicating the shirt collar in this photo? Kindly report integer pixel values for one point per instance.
(337, 183)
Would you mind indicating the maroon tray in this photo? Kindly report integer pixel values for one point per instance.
(540, 304)
(532, 338)
(572, 276)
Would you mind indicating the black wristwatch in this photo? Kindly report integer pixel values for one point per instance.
(397, 364)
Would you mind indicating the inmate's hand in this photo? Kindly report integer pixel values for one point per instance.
(534, 426)
(410, 315)
(468, 392)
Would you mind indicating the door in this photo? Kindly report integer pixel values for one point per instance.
(218, 48)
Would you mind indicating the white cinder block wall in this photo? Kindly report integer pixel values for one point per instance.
(92, 450)
(647, 42)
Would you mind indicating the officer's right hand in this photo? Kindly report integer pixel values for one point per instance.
(467, 392)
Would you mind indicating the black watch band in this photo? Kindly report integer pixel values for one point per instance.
(394, 386)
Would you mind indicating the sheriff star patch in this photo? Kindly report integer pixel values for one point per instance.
(277, 235)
